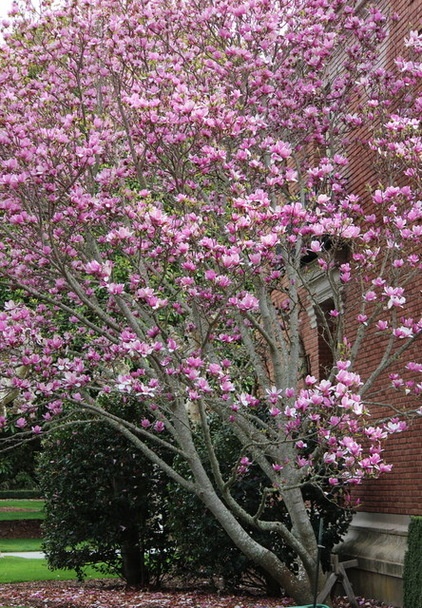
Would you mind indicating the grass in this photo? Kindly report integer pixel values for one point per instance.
(19, 545)
(28, 509)
(23, 570)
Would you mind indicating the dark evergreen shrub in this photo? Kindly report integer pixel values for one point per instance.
(101, 505)
(17, 468)
(412, 576)
(19, 494)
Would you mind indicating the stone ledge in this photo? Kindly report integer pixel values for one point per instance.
(391, 524)
(378, 541)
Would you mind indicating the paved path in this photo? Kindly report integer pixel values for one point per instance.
(26, 554)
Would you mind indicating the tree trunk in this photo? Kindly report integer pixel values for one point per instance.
(135, 572)
(299, 587)
(272, 587)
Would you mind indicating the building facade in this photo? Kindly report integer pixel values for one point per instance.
(378, 535)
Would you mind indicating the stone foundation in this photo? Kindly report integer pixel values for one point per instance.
(378, 541)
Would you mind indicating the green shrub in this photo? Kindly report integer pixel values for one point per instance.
(17, 468)
(102, 505)
(412, 576)
(19, 494)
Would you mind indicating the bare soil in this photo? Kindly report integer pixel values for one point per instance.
(25, 528)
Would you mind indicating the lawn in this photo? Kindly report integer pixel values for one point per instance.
(11, 510)
(21, 570)
(19, 544)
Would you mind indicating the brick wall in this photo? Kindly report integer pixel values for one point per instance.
(399, 492)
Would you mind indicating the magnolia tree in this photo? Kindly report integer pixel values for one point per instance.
(174, 191)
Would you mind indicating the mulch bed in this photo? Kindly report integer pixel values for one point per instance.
(113, 594)
(25, 528)
(104, 594)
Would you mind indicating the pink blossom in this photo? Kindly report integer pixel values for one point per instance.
(370, 296)
(343, 365)
(414, 366)
(382, 325)
(227, 386)
(115, 288)
(348, 378)
(290, 412)
(352, 446)
(255, 258)
(370, 462)
(395, 295)
(403, 332)
(302, 461)
(315, 246)
(395, 426)
(195, 362)
(247, 400)
(385, 468)
(157, 217)
(273, 394)
(203, 385)
(269, 240)
(171, 345)
(214, 369)
(230, 260)
(329, 458)
(375, 433)
(248, 302)
(291, 175)
(281, 150)
(210, 275)
(93, 267)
